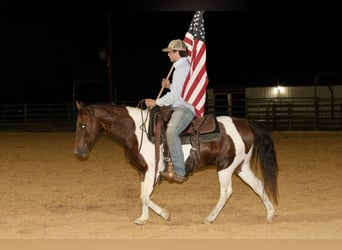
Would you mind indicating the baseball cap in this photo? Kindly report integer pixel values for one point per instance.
(177, 44)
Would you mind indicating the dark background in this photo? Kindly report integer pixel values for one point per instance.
(46, 47)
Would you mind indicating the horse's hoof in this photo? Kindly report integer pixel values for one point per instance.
(270, 218)
(166, 215)
(206, 221)
(140, 221)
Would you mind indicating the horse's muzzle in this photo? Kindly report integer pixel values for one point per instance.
(81, 152)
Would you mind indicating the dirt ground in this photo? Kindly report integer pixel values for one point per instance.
(47, 193)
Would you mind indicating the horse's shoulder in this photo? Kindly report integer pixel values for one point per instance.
(136, 113)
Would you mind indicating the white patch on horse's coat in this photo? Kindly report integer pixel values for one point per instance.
(141, 119)
(234, 134)
(236, 138)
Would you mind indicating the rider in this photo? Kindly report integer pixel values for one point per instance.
(183, 112)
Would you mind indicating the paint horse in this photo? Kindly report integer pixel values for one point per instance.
(240, 143)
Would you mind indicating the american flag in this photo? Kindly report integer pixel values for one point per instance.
(194, 90)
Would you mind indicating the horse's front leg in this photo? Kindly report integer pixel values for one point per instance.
(148, 203)
(145, 196)
(142, 220)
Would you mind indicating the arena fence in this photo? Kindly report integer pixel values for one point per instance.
(275, 113)
(36, 117)
(296, 113)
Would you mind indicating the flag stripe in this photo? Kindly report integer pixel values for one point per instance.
(199, 71)
(201, 92)
(194, 90)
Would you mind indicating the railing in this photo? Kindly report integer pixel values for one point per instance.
(276, 113)
(296, 113)
(36, 116)
(40, 117)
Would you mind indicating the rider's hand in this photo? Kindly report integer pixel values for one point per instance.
(165, 83)
(150, 103)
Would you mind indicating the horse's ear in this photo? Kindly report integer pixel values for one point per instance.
(79, 105)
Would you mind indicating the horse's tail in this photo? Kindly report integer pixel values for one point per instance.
(264, 151)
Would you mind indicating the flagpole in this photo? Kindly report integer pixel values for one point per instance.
(167, 77)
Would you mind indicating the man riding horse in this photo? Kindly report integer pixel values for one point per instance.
(183, 112)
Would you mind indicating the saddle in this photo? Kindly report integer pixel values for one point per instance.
(204, 129)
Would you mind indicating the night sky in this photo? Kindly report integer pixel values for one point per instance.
(45, 48)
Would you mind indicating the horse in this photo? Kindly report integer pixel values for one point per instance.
(240, 143)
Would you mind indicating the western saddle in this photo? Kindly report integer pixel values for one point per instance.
(204, 129)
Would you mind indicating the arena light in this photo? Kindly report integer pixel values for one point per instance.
(279, 90)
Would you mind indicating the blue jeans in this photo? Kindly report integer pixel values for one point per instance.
(180, 119)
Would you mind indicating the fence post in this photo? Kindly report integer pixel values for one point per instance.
(273, 114)
(246, 107)
(74, 86)
(316, 112)
(340, 115)
(289, 114)
(25, 112)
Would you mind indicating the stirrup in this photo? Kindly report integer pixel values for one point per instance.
(168, 170)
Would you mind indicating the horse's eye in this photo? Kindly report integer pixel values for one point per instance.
(83, 126)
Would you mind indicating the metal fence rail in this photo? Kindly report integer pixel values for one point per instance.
(296, 113)
(36, 112)
(39, 117)
(36, 116)
(275, 113)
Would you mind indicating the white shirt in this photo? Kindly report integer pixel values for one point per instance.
(174, 96)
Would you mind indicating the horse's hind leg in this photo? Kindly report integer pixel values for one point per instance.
(255, 183)
(225, 181)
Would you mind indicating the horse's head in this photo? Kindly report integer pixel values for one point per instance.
(86, 130)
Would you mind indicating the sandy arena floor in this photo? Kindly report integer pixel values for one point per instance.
(47, 193)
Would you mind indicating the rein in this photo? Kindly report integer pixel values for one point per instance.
(157, 142)
(143, 124)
